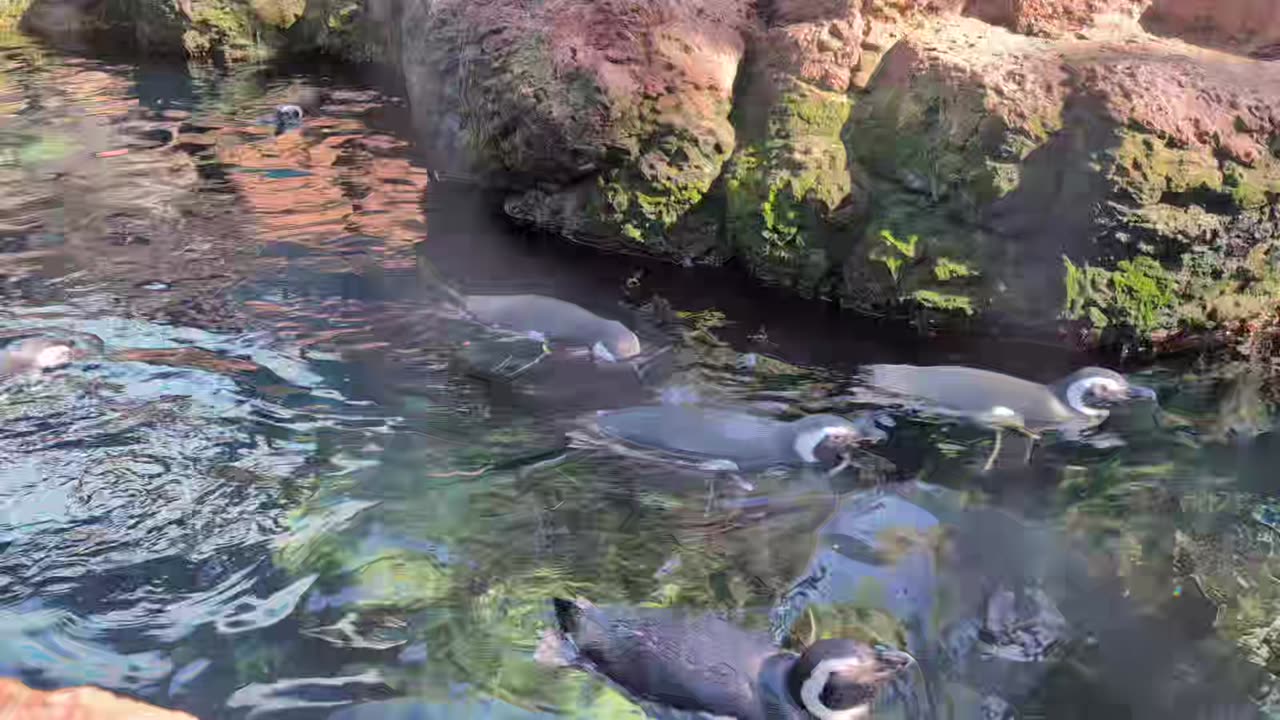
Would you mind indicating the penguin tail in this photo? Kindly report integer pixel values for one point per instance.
(434, 280)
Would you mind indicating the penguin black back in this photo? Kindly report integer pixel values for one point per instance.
(702, 663)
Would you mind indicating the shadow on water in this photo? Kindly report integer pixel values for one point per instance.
(293, 484)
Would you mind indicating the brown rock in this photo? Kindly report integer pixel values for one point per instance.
(607, 117)
(1052, 17)
(19, 702)
(1247, 26)
(1065, 145)
(818, 41)
(1186, 96)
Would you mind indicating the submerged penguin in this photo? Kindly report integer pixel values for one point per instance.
(1080, 398)
(750, 442)
(555, 321)
(700, 663)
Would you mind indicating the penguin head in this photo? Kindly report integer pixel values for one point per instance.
(618, 343)
(37, 354)
(43, 354)
(288, 116)
(828, 439)
(1091, 390)
(839, 679)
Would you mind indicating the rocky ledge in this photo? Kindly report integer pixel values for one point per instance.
(1108, 167)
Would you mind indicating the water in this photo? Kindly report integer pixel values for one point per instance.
(284, 490)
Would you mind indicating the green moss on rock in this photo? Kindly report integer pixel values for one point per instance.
(1139, 294)
(11, 12)
(944, 141)
(1146, 168)
(782, 190)
(646, 199)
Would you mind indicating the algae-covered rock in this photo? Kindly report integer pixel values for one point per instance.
(784, 192)
(1148, 164)
(11, 12)
(790, 201)
(230, 30)
(608, 121)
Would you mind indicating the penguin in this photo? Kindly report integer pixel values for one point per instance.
(750, 442)
(1081, 398)
(673, 662)
(37, 353)
(287, 117)
(1077, 402)
(555, 321)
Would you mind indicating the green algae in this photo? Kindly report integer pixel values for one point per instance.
(1139, 293)
(923, 278)
(945, 269)
(945, 302)
(782, 189)
(11, 12)
(1145, 168)
(646, 198)
(945, 142)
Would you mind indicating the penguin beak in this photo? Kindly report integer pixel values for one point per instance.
(1138, 392)
(892, 661)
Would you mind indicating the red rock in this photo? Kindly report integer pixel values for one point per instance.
(1247, 26)
(1049, 17)
(19, 702)
(818, 41)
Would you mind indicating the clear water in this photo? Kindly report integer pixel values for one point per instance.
(287, 489)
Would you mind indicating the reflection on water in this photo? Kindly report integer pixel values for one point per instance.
(295, 482)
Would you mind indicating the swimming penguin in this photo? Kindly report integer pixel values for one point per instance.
(750, 442)
(1080, 398)
(555, 321)
(1078, 401)
(700, 663)
(37, 353)
(288, 117)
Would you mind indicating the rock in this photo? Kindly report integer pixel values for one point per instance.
(1250, 27)
(1053, 17)
(228, 30)
(790, 178)
(81, 703)
(816, 41)
(936, 159)
(607, 119)
(1147, 162)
